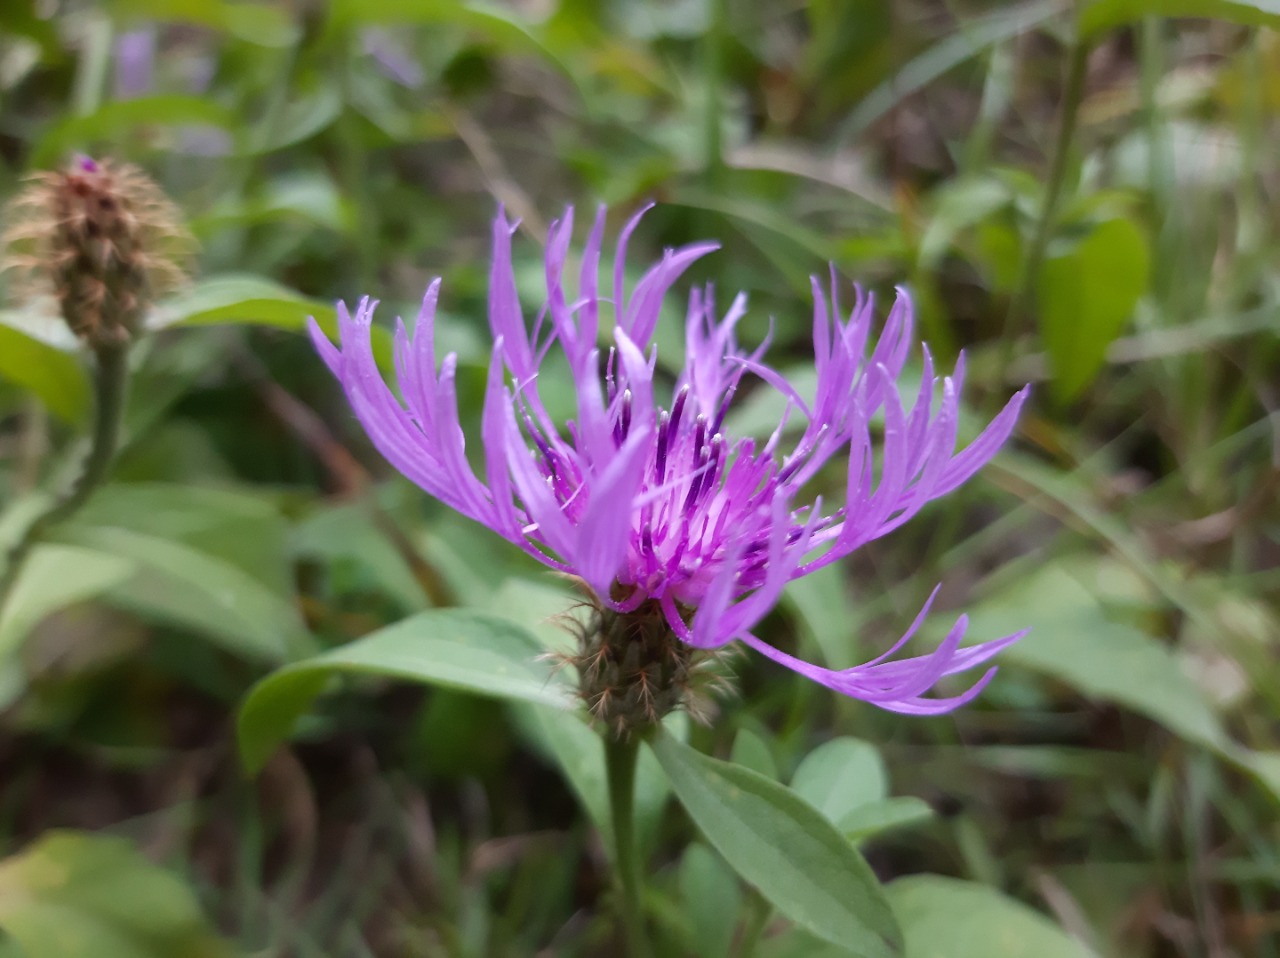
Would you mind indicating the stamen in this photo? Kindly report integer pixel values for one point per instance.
(677, 409)
(660, 459)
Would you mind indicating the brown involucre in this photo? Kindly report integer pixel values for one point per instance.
(102, 240)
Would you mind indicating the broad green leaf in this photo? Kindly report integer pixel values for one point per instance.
(786, 848)
(1099, 16)
(54, 577)
(45, 364)
(795, 943)
(839, 776)
(472, 562)
(87, 896)
(211, 560)
(256, 301)
(544, 606)
(189, 588)
(1075, 640)
(1086, 297)
(712, 899)
(885, 815)
(466, 650)
(240, 298)
(948, 918)
(752, 752)
(355, 551)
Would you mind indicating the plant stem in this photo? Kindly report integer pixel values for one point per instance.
(620, 763)
(1071, 98)
(110, 382)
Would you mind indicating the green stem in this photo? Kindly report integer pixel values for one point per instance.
(620, 764)
(1071, 99)
(110, 381)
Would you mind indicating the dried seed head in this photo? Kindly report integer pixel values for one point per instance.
(633, 670)
(99, 238)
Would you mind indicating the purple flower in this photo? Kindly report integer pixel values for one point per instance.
(652, 503)
(135, 53)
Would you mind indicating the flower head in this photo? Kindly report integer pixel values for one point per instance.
(679, 528)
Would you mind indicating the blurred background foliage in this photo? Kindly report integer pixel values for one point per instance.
(1083, 196)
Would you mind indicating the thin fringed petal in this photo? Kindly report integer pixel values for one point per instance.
(646, 302)
(328, 352)
(894, 699)
(506, 319)
(979, 452)
(604, 532)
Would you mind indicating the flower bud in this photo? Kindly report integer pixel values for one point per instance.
(102, 240)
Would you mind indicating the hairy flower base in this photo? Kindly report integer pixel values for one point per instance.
(678, 527)
(633, 670)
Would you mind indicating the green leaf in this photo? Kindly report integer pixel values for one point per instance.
(1076, 640)
(1085, 297)
(89, 896)
(256, 301)
(466, 650)
(753, 752)
(544, 606)
(240, 298)
(54, 577)
(786, 848)
(949, 918)
(211, 560)
(351, 545)
(882, 816)
(794, 943)
(1100, 16)
(841, 775)
(43, 362)
(712, 898)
